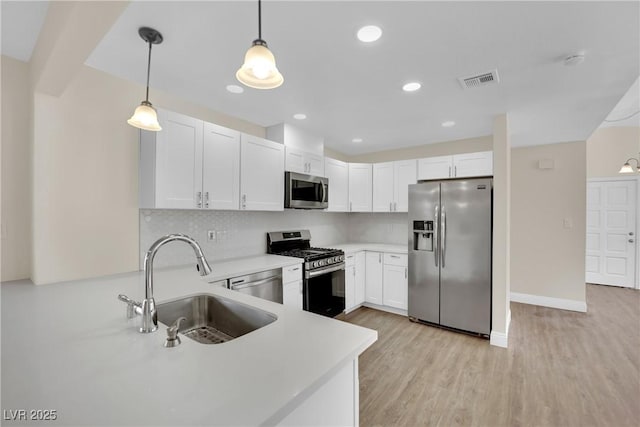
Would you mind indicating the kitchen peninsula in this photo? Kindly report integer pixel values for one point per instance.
(70, 349)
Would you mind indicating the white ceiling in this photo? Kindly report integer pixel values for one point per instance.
(627, 110)
(349, 89)
(21, 24)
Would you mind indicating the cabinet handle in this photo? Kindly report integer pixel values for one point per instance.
(455, 171)
(244, 201)
(405, 272)
(199, 199)
(206, 199)
(349, 256)
(379, 257)
(394, 256)
(295, 269)
(449, 171)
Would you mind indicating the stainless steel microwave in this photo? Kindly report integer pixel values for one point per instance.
(305, 191)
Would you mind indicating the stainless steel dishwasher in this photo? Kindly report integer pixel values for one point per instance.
(265, 284)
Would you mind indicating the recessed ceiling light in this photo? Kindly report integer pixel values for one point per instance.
(575, 59)
(369, 33)
(300, 116)
(411, 87)
(235, 88)
(448, 124)
(356, 140)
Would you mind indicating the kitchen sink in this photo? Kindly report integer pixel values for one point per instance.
(211, 319)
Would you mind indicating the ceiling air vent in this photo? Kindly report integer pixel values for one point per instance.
(484, 79)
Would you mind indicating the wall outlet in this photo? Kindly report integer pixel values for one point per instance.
(211, 235)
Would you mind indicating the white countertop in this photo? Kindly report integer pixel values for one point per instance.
(69, 347)
(247, 265)
(375, 247)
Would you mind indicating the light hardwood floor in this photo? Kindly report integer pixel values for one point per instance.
(562, 368)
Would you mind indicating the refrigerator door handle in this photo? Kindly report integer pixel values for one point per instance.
(436, 252)
(443, 250)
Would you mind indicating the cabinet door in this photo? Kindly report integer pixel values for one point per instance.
(292, 294)
(473, 164)
(294, 160)
(373, 287)
(220, 168)
(404, 174)
(383, 187)
(338, 174)
(178, 162)
(360, 277)
(350, 287)
(315, 164)
(395, 286)
(261, 174)
(360, 187)
(435, 167)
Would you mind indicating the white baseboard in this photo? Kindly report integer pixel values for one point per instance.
(499, 339)
(563, 304)
(385, 308)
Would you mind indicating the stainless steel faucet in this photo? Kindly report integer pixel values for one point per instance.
(148, 306)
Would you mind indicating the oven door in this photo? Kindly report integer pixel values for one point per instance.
(324, 290)
(305, 191)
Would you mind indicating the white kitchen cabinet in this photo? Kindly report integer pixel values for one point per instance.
(374, 277)
(338, 174)
(171, 163)
(221, 168)
(191, 164)
(292, 286)
(354, 280)
(473, 164)
(391, 182)
(395, 286)
(456, 166)
(304, 162)
(360, 187)
(261, 174)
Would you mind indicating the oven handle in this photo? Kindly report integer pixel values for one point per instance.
(330, 269)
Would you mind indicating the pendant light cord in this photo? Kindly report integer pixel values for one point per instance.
(148, 71)
(260, 19)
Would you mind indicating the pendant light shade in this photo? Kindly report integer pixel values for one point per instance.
(145, 116)
(259, 70)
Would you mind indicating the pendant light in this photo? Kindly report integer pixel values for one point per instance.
(259, 69)
(627, 168)
(145, 116)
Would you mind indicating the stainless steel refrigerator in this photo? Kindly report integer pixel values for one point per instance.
(450, 253)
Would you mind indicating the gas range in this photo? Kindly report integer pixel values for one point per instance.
(323, 271)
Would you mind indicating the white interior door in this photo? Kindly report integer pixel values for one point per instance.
(611, 233)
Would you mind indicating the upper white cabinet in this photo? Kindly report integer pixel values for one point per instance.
(456, 166)
(190, 164)
(304, 162)
(390, 185)
(473, 164)
(261, 174)
(360, 187)
(338, 174)
(221, 168)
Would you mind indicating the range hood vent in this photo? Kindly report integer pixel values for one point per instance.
(484, 79)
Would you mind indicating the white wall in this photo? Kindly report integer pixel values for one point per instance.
(15, 223)
(547, 257)
(238, 233)
(608, 148)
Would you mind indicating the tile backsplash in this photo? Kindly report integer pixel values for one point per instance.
(389, 228)
(238, 233)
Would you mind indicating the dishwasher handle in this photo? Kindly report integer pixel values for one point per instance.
(244, 285)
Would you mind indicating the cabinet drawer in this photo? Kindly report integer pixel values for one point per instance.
(291, 273)
(395, 259)
(350, 259)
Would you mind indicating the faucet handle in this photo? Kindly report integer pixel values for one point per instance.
(133, 307)
(172, 333)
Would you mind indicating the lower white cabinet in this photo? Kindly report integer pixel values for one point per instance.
(373, 288)
(354, 280)
(395, 287)
(292, 286)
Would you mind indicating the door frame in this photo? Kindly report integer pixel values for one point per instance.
(635, 178)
